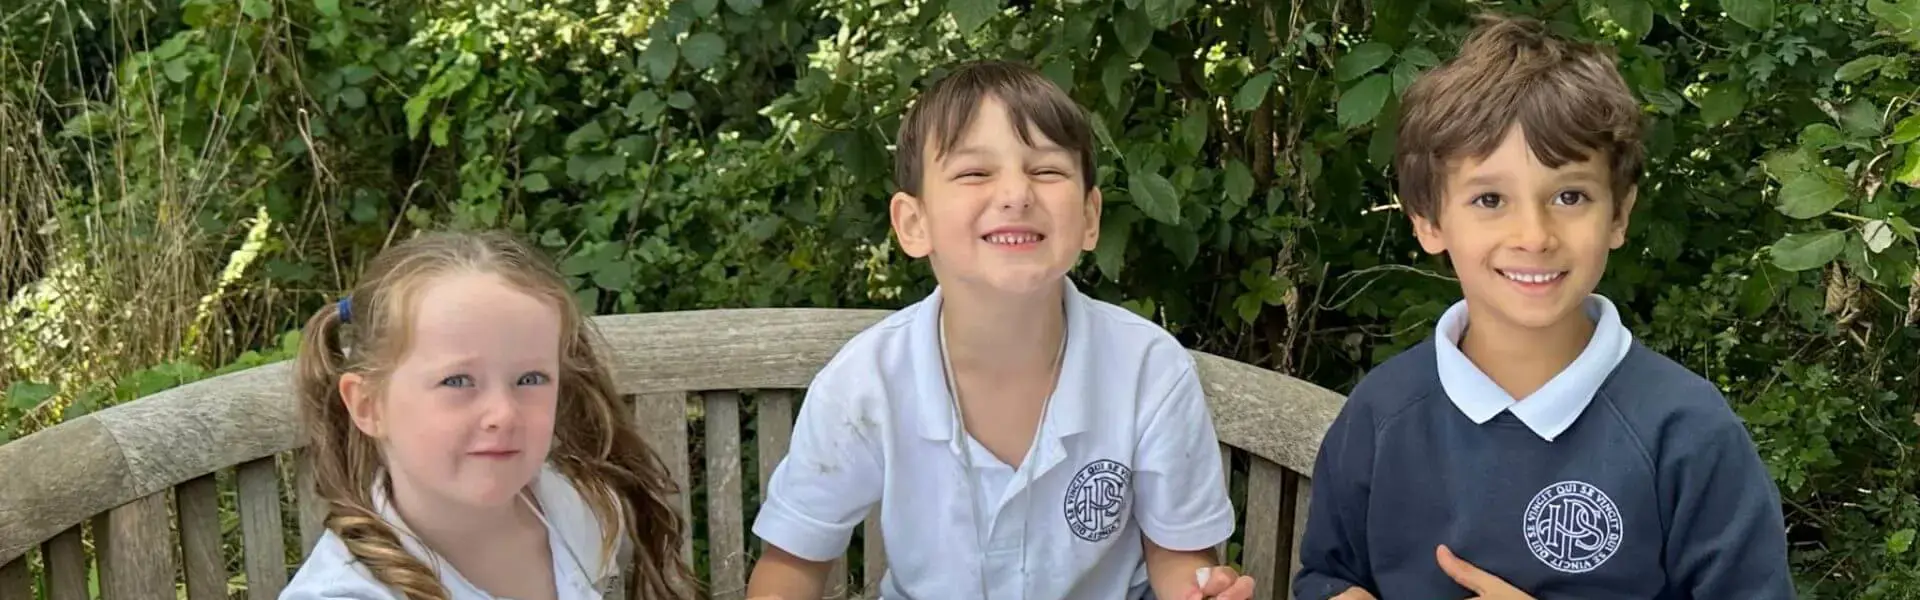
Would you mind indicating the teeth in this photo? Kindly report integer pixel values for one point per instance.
(1013, 238)
(1534, 277)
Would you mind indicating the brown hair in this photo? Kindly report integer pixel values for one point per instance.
(945, 110)
(594, 444)
(1567, 96)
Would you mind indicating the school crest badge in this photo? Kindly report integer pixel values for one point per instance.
(1096, 500)
(1573, 527)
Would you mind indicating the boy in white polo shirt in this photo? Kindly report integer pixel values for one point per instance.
(1022, 439)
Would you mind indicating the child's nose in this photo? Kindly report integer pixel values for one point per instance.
(1534, 231)
(501, 411)
(1015, 193)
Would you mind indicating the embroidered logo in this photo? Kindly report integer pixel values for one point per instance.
(1097, 499)
(1573, 527)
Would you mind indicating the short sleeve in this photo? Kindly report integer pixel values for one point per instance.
(831, 477)
(1180, 493)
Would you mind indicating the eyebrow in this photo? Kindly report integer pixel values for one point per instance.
(977, 151)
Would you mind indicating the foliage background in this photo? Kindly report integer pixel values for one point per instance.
(182, 181)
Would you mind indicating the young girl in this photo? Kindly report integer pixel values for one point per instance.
(468, 440)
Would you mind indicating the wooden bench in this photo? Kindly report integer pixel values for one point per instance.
(140, 487)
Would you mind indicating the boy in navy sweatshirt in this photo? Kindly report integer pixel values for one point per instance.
(1531, 448)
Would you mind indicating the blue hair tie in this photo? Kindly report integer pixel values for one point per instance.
(346, 309)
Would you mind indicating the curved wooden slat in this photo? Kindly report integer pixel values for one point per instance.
(126, 452)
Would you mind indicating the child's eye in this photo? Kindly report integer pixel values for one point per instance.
(533, 379)
(458, 381)
(1570, 197)
(1487, 201)
(1049, 173)
(966, 175)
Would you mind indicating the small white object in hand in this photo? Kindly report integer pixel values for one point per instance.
(1200, 577)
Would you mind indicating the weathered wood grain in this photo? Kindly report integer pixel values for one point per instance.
(67, 565)
(313, 511)
(261, 530)
(1261, 550)
(138, 561)
(16, 579)
(726, 538)
(662, 419)
(198, 504)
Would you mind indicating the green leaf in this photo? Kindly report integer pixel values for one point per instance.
(258, 9)
(1802, 251)
(660, 58)
(1722, 103)
(1877, 234)
(173, 47)
(1860, 67)
(1860, 118)
(1821, 136)
(416, 109)
(1362, 59)
(24, 396)
(743, 7)
(1164, 13)
(703, 50)
(1635, 16)
(1239, 181)
(1812, 193)
(1060, 72)
(1155, 196)
(1361, 103)
(535, 183)
(1253, 92)
(353, 97)
(327, 8)
(177, 70)
(615, 274)
(971, 14)
(705, 8)
(1909, 172)
(587, 135)
(1782, 164)
(1403, 76)
(681, 100)
(1900, 542)
(1110, 254)
(1247, 307)
(1903, 229)
(1134, 31)
(1192, 131)
(1755, 14)
(1183, 241)
(1420, 57)
(1901, 18)
(357, 74)
(1113, 78)
(1906, 130)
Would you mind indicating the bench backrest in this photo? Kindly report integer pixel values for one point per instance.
(146, 481)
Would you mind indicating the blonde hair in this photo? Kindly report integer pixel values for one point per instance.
(594, 444)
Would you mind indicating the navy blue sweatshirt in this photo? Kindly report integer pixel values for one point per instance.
(1654, 491)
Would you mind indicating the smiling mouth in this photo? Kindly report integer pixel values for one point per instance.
(1533, 277)
(496, 453)
(1013, 239)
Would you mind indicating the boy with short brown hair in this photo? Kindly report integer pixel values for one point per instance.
(1022, 439)
(1531, 446)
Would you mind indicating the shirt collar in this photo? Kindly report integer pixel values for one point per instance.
(1553, 408)
(1066, 413)
(563, 508)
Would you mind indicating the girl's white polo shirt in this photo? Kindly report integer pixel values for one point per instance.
(1127, 449)
(573, 534)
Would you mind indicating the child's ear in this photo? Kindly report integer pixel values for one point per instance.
(1621, 214)
(357, 394)
(910, 224)
(1428, 232)
(1092, 237)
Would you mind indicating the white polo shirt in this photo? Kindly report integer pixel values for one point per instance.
(1550, 410)
(1127, 448)
(573, 534)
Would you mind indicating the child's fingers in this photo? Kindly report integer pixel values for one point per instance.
(1242, 589)
(1217, 580)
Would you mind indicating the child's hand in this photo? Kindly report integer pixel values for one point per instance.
(1221, 583)
(1355, 593)
(1482, 583)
